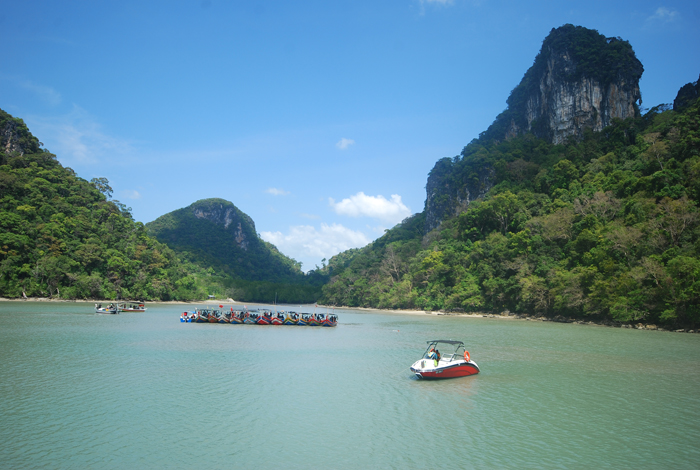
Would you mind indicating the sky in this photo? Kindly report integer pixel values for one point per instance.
(319, 119)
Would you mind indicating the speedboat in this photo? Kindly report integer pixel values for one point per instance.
(434, 365)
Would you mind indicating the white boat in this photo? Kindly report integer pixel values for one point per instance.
(434, 365)
(131, 306)
(112, 309)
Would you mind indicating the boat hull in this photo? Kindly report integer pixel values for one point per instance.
(425, 369)
(106, 311)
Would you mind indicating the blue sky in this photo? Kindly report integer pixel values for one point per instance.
(320, 120)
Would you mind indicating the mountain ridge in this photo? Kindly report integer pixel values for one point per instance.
(600, 226)
(226, 236)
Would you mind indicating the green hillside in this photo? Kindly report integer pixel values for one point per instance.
(604, 228)
(64, 237)
(215, 234)
(61, 236)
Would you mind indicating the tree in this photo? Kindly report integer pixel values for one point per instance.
(678, 216)
(102, 185)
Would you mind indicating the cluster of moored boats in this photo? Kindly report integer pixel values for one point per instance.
(258, 317)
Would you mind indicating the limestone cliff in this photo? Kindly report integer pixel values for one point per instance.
(216, 232)
(448, 192)
(687, 95)
(224, 213)
(15, 138)
(579, 80)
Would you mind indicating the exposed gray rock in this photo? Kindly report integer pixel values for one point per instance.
(447, 196)
(563, 108)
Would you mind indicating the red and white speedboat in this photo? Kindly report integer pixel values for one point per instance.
(435, 365)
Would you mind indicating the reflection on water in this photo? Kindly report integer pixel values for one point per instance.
(144, 390)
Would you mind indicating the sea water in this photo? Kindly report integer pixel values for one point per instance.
(143, 390)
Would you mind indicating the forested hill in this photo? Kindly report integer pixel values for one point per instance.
(214, 233)
(64, 237)
(604, 226)
(61, 236)
(219, 234)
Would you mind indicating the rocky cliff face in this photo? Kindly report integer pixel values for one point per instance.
(559, 108)
(447, 195)
(579, 80)
(15, 137)
(225, 213)
(687, 95)
(214, 232)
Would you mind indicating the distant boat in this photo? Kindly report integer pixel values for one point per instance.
(131, 306)
(291, 318)
(112, 309)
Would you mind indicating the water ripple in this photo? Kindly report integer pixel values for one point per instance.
(145, 391)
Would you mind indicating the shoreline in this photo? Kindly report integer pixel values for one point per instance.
(512, 316)
(507, 316)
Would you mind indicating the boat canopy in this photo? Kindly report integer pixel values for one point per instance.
(448, 341)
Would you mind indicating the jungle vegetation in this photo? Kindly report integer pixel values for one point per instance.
(214, 234)
(64, 237)
(605, 228)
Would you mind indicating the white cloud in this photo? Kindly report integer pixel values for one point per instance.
(277, 191)
(77, 136)
(46, 93)
(663, 15)
(131, 194)
(344, 143)
(378, 207)
(305, 241)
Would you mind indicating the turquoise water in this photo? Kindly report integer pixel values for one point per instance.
(142, 390)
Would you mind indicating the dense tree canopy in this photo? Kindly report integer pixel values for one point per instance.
(62, 236)
(214, 233)
(603, 228)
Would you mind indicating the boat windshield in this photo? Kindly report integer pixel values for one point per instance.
(451, 350)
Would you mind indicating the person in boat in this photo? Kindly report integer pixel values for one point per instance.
(431, 354)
